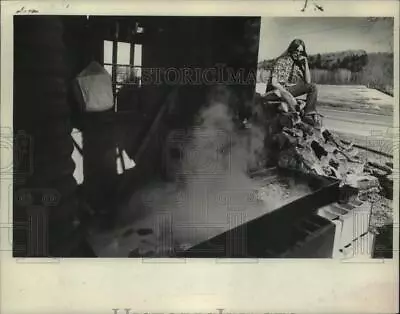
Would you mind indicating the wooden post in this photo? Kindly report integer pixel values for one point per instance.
(132, 50)
(114, 65)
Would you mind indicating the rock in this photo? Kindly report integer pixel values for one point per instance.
(305, 128)
(304, 144)
(283, 107)
(318, 149)
(361, 182)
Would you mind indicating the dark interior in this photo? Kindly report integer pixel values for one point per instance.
(49, 52)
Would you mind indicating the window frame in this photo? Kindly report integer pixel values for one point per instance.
(114, 63)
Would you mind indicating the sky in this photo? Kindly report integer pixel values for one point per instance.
(327, 34)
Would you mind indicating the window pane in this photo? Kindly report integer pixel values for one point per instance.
(108, 69)
(137, 61)
(138, 72)
(123, 53)
(122, 73)
(108, 51)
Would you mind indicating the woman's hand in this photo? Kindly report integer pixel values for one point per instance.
(307, 75)
(303, 59)
(285, 94)
(290, 100)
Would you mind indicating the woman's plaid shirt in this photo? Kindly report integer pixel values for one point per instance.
(286, 71)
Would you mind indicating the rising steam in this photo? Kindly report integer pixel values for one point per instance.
(211, 192)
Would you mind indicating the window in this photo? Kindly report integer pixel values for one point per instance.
(127, 67)
(137, 62)
(108, 56)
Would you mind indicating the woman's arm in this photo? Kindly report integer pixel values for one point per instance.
(285, 94)
(307, 75)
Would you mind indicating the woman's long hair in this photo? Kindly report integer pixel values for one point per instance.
(295, 43)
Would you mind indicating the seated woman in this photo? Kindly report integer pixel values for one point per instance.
(290, 77)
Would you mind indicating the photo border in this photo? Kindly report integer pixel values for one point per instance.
(201, 286)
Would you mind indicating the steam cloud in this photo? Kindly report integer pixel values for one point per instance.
(211, 191)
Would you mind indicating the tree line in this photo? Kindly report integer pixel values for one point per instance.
(374, 70)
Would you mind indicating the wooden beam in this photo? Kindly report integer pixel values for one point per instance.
(132, 46)
(114, 61)
(131, 51)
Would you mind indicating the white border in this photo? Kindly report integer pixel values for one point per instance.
(98, 286)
